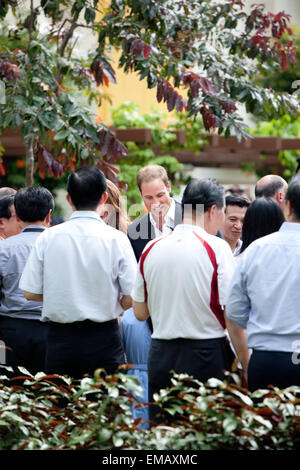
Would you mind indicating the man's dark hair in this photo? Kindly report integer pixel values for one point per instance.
(32, 204)
(85, 187)
(263, 216)
(237, 200)
(5, 204)
(293, 195)
(269, 190)
(206, 191)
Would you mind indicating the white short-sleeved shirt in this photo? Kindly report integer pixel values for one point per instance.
(184, 278)
(81, 267)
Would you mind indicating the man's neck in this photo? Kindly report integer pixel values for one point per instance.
(38, 223)
(231, 243)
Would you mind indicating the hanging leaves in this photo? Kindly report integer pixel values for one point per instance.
(166, 92)
(227, 105)
(197, 83)
(139, 47)
(103, 72)
(110, 146)
(46, 163)
(210, 120)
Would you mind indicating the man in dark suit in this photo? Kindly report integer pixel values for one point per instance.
(164, 213)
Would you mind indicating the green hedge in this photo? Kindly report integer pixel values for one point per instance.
(53, 412)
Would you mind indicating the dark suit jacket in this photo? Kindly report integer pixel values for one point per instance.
(141, 231)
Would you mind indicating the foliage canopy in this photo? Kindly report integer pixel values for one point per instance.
(211, 48)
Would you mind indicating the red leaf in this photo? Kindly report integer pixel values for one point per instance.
(179, 104)
(228, 106)
(103, 72)
(210, 121)
(106, 143)
(147, 51)
(282, 60)
(137, 47)
(171, 100)
(159, 91)
(195, 87)
(2, 169)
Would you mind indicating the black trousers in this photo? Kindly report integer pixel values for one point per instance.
(80, 348)
(25, 344)
(272, 368)
(201, 359)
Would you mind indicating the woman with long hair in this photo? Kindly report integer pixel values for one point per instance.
(263, 216)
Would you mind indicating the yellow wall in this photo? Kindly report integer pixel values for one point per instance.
(129, 88)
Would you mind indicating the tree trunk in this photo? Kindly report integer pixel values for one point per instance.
(29, 162)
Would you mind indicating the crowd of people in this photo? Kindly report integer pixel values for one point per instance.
(190, 287)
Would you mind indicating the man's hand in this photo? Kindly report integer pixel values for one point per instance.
(126, 302)
(158, 212)
(32, 296)
(140, 310)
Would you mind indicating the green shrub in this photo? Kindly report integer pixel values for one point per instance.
(57, 413)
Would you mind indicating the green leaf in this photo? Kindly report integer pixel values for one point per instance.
(117, 441)
(62, 134)
(230, 424)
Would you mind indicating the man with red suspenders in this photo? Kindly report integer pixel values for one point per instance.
(182, 284)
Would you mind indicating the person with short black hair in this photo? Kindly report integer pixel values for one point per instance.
(182, 282)
(84, 271)
(235, 209)
(9, 225)
(264, 298)
(263, 216)
(20, 327)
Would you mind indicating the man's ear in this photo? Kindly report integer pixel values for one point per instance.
(18, 218)
(103, 198)
(48, 218)
(211, 211)
(288, 210)
(68, 198)
(169, 187)
(279, 197)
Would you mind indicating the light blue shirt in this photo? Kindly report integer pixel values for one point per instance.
(14, 252)
(264, 295)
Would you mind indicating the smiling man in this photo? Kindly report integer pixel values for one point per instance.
(9, 225)
(164, 213)
(236, 207)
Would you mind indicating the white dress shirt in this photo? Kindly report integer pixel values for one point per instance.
(82, 267)
(169, 221)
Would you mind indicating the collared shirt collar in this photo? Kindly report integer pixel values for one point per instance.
(33, 226)
(238, 247)
(86, 214)
(290, 227)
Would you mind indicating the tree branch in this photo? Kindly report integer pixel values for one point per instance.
(31, 19)
(67, 38)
